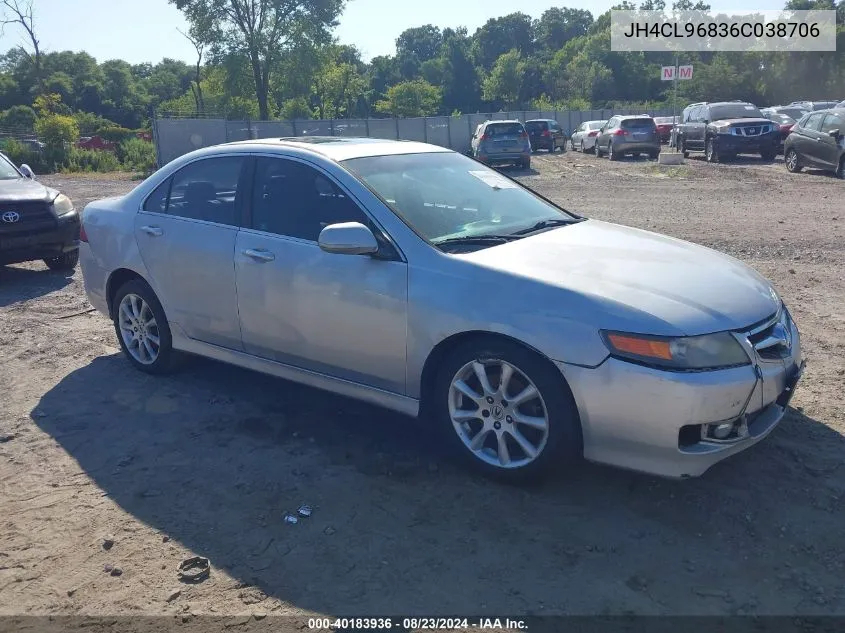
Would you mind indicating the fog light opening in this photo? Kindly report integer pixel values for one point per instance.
(725, 431)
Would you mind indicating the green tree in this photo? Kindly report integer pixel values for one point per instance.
(422, 41)
(503, 84)
(460, 83)
(58, 132)
(261, 30)
(338, 89)
(559, 25)
(410, 99)
(499, 35)
(19, 117)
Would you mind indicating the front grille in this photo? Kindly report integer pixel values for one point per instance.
(751, 130)
(767, 338)
(34, 216)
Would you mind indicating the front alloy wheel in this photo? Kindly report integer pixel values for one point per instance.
(791, 160)
(506, 426)
(506, 411)
(710, 152)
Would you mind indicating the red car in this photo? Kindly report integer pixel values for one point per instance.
(664, 127)
(785, 124)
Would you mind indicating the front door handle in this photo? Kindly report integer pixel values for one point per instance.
(260, 255)
(155, 231)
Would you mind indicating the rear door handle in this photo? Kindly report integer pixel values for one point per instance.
(259, 255)
(155, 231)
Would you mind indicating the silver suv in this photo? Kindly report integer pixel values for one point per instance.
(628, 135)
(498, 142)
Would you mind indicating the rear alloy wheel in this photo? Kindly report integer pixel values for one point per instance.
(710, 151)
(64, 262)
(505, 412)
(611, 155)
(793, 165)
(142, 328)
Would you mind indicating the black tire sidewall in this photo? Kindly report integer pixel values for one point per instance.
(564, 446)
(66, 261)
(166, 356)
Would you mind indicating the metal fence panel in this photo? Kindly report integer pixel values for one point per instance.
(383, 128)
(272, 129)
(178, 136)
(437, 131)
(533, 114)
(412, 129)
(459, 133)
(350, 127)
(477, 119)
(238, 131)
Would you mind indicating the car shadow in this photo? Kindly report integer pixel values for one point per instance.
(213, 457)
(18, 283)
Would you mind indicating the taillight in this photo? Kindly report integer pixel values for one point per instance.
(786, 128)
(593, 133)
(524, 135)
(83, 237)
(484, 137)
(620, 132)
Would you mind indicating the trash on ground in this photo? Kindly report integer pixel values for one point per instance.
(305, 511)
(194, 569)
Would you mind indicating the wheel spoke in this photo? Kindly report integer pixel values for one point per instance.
(504, 453)
(466, 390)
(504, 380)
(125, 313)
(477, 442)
(481, 373)
(133, 302)
(155, 340)
(530, 420)
(526, 446)
(465, 415)
(524, 396)
(149, 348)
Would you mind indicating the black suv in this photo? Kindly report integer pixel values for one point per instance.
(545, 134)
(723, 130)
(36, 222)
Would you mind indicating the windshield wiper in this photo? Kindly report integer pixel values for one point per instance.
(477, 239)
(547, 224)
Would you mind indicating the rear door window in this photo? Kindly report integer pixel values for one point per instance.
(536, 126)
(813, 122)
(833, 122)
(208, 190)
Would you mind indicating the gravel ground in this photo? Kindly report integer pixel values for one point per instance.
(208, 461)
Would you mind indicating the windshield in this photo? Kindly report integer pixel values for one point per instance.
(7, 169)
(664, 120)
(444, 195)
(734, 111)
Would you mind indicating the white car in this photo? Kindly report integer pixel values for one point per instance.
(584, 136)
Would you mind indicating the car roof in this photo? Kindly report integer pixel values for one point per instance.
(541, 121)
(635, 116)
(492, 121)
(339, 148)
(719, 103)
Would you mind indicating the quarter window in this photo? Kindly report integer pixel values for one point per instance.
(295, 200)
(208, 190)
(157, 200)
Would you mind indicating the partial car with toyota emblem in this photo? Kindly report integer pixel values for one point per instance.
(36, 222)
(418, 279)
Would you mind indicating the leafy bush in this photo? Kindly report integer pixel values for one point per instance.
(115, 134)
(19, 117)
(89, 123)
(137, 155)
(295, 109)
(58, 132)
(19, 154)
(89, 160)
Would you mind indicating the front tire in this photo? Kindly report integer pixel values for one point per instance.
(768, 156)
(682, 148)
(526, 163)
(793, 164)
(505, 411)
(840, 169)
(64, 262)
(710, 151)
(142, 328)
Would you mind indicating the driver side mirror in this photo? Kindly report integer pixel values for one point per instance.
(348, 238)
(26, 170)
(835, 133)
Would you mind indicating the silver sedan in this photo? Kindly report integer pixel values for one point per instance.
(415, 278)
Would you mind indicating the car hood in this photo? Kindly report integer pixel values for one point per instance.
(25, 190)
(654, 283)
(750, 121)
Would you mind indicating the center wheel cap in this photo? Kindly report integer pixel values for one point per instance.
(498, 412)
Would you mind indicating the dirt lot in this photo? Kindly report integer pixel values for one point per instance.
(207, 462)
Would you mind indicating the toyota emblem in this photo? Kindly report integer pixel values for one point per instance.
(10, 217)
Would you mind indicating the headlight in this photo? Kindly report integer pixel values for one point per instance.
(722, 129)
(711, 351)
(62, 204)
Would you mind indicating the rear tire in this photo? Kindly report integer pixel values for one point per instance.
(582, 146)
(554, 431)
(611, 155)
(653, 155)
(64, 262)
(840, 170)
(681, 148)
(526, 164)
(768, 156)
(146, 342)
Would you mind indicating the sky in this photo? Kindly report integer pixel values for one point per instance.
(146, 30)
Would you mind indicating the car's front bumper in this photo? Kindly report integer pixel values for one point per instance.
(41, 243)
(746, 145)
(642, 418)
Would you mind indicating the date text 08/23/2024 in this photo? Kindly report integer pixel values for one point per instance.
(417, 624)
